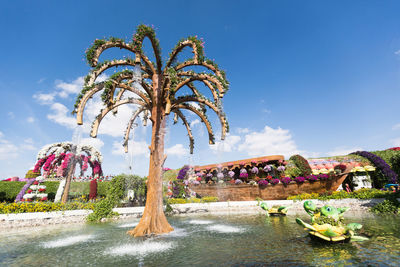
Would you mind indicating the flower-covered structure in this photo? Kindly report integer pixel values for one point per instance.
(158, 90)
(55, 159)
(60, 159)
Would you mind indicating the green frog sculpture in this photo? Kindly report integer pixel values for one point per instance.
(274, 210)
(327, 224)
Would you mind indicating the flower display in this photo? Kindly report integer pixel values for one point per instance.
(312, 178)
(254, 170)
(380, 164)
(209, 175)
(300, 179)
(280, 168)
(231, 173)
(286, 180)
(323, 177)
(263, 182)
(220, 175)
(243, 174)
(238, 181)
(182, 172)
(267, 168)
(274, 181)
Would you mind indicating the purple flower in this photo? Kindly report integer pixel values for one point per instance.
(323, 177)
(254, 170)
(286, 180)
(244, 175)
(281, 168)
(380, 164)
(209, 175)
(300, 179)
(231, 173)
(267, 168)
(220, 175)
(23, 190)
(238, 181)
(182, 173)
(312, 178)
(275, 181)
(263, 182)
(199, 174)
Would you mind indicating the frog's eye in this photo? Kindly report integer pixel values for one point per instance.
(328, 209)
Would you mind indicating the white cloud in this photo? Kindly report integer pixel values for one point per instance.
(397, 52)
(28, 144)
(396, 126)
(136, 148)
(242, 130)
(66, 89)
(269, 142)
(95, 142)
(45, 99)
(228, 145)
(30, 119)
(341, 150)
(7, 149)
(395, 142)
(193, 123)
(177, 150)
(60, 115)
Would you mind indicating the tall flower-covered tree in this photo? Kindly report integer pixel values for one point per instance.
(158, 91)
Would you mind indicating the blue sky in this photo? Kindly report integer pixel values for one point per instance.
(311, 77)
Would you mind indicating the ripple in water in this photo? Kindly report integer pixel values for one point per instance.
(141, 249)
(200, 222)
(225, 228)
(126, 225)
(67, 241)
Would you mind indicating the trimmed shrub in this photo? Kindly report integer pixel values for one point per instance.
(93, 190)
(302, 164)
(22, 207)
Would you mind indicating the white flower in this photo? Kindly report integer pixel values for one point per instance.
(41, 187)
(39, 178)
(29, 196)
(41, 195)
(33, 187)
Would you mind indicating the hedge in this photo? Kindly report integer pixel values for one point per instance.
(10, 190)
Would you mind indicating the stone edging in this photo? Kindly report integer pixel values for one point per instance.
(16, 220)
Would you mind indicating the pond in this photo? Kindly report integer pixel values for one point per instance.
(208, 240)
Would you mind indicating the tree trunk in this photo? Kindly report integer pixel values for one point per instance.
(153, 220)
(70, 173)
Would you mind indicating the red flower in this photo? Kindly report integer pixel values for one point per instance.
(232, 181)
(269, 177)
(42, 189)
(44, 199)
(35, 182)
(29, 200)
(29, 191)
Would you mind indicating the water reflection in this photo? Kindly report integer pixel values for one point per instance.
(209, 240)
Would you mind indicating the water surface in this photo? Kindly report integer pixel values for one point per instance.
(208, 240)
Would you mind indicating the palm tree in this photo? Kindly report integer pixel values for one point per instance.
(158, 92)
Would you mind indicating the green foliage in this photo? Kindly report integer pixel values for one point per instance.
(103, 209)
(391, 157)
(292, 170)
(364, 193)
(115, 192)
(10, 190)
(22, 207)
(387, 206)
(31, 174)
(302, 164)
